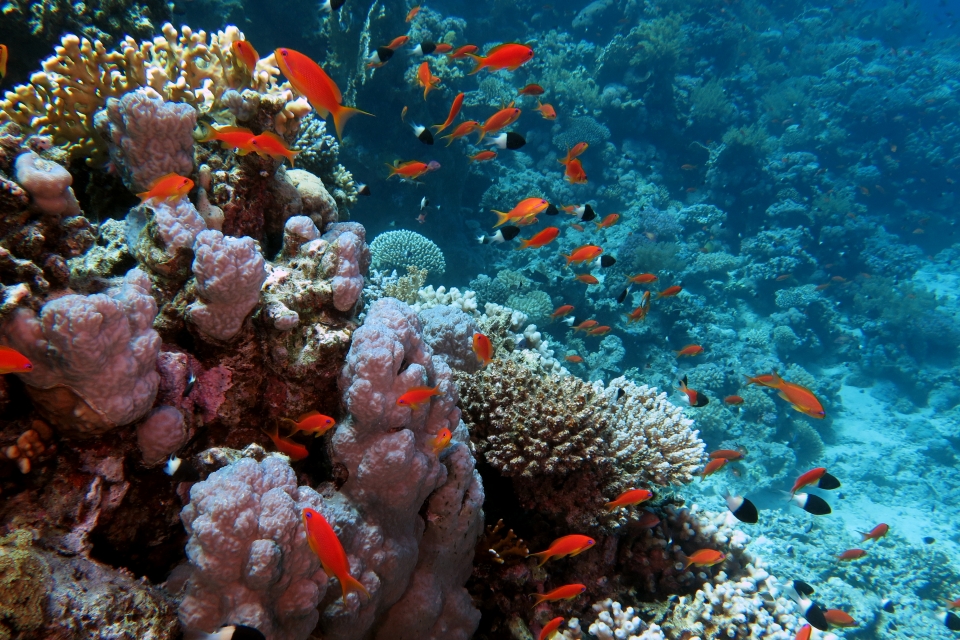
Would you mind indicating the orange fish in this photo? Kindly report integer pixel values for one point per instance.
(851, 554)
(799, 397)
(230, 137)
(324, 542)
(566, 592)
(170, 187)
(483, 156)
(426, 79)
(647, 520)
(454, 112)
(294, 450)
(640, 312)
(246, 54)
(586, 324)
(531, 90)
(765, 380)
(642, 278)
(541, 239)
(313, 83)
(573, 358)
(704, 558)
(505, 56)
(669, 292)
(463, 52)
(629, 497)
(410, 170)
(12, 361)
(398, 42)
(313, 422)
(818, 476)
(566, 546)
(608, 221)
(561, 311)
(578, 227)
(586, 253)
(526, 208)
(483, 348)
(839, 618)
(713, 466)
(578, 148)
(733, 400)
(876, 533)
(443, 47)
(4, 57)
(413, 13)
(805, 632)
(602, 330)
(546, 110)
(689, 350)
(952, 604)
(270, 144)
(462, 129)
(503, 118)
(726, 454)
(550, 628)
(417, 397)
(440, 441)
(574, 172)
(586, 278)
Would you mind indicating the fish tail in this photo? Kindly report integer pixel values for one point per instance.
(348, 583)
(523, 245)
(449, 139)
(483, 132)
(502, 217)
(341, 114)
(437, 128)
(481, 63)
(538, 598)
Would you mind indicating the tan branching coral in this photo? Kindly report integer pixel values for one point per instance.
(188, 66)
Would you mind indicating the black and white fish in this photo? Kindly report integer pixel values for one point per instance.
(811, 504)
(423, 134)
(380, 56)
(742, 509)
(330, 6)
(424, 48)
(503, 234)
(508, 140)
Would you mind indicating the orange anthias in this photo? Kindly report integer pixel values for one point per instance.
(586, 278)
(574, 172)
(426, 79)
(270, 144)
(642, 278)
(669, 292)
(713, 466)
(799, 397)
(313, 422)
(566, 592)
(608, 221)
(440, 441)
(483, 156)
(876, 533)
(765, 380)
(810, 477)
(689, 350)
(704, 558)
(324, 542)
(852, 554)
(578, 148)
(566, 546)
(602, 330)
(503, 118)
(246, 54)
(526, 208)
(12, 361)
(483, 348)
(454, 112)
(561, 311)
(230, 137)
(546, 110)
(4, 57)
(170, 187)
(839, 618)
(586, 324)
(462, 129)
(410, 170)
(531, 89)
(541, 239)
(463, 52)
(583, 254)
(726, 454)
(412, 14)
(313, 83)
(398, 42)
(629, 497)
(805, 632)
(418, 396)
(550, 628)
(295, 450)
(505, 56)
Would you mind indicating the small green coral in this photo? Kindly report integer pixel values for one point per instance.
(24, 582)
(397, 250)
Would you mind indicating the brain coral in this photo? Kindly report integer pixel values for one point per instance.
(400, 249)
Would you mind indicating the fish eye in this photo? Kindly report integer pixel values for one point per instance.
(309, 515)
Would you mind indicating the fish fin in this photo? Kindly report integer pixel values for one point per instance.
(523, 245)
(437, 128)
(481, 63)
(348, 583)
(483, 132)
(240, 152)
(501, 218)
(341, 115)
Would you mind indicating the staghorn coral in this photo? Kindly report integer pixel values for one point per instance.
(401, 249)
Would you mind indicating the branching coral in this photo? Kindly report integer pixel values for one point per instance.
(401, 249)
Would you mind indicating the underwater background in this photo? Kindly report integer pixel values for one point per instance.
(754, 254)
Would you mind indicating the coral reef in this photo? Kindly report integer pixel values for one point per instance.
(401, 249)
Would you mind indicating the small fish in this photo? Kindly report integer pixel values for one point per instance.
(550, 628)
(628, 498)
(426, 79)
(642, 310)
(577, 149)
(688, 167)
(950, 620)
(531, 90)
(312, 82)
(799, 397)
(742, 509)
(454, 112)
(503, 118)
(608, 221)
(818, 477)
(704, 558)
(735, 401)
(313, 422)
(695, 398)
(483, 156)
(623, 295)
(713, 466)
(440, 441)
(324, 542)
(12, 361)
(851, 554)
(785, 276)
(648, 520)
(424, 203)
(839, 618)
(462, 52)
(602, 330)
(584, 212)
(726, 454)
(509, 140)
(577, 227)
(574, 358)
(586, 324)
(541, 239)
(503, 234)
(561, 311)
(805, 632)
(191, 383)
(508, 56)
(566, 592)
(812, 504)
(571, 545)
(244, 52)
(4, 57)
(363, 189)
(170, 188)
(463, 129)
(423, 134)
(483, 348)
(586, 278)
(574, 173)
(765, 380)
(270, 144)
(410, 170)
(669, 292)
(526, 208)
(329, 6)
(412, 14)
(398, 42)
(417, 397)
(294, 450)
(876, 533)
(546, 110)
(238, 138)
(379, 57)
(586, 253)
(443, 47)
(689, 351)
(605, 262)
(228, 632)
